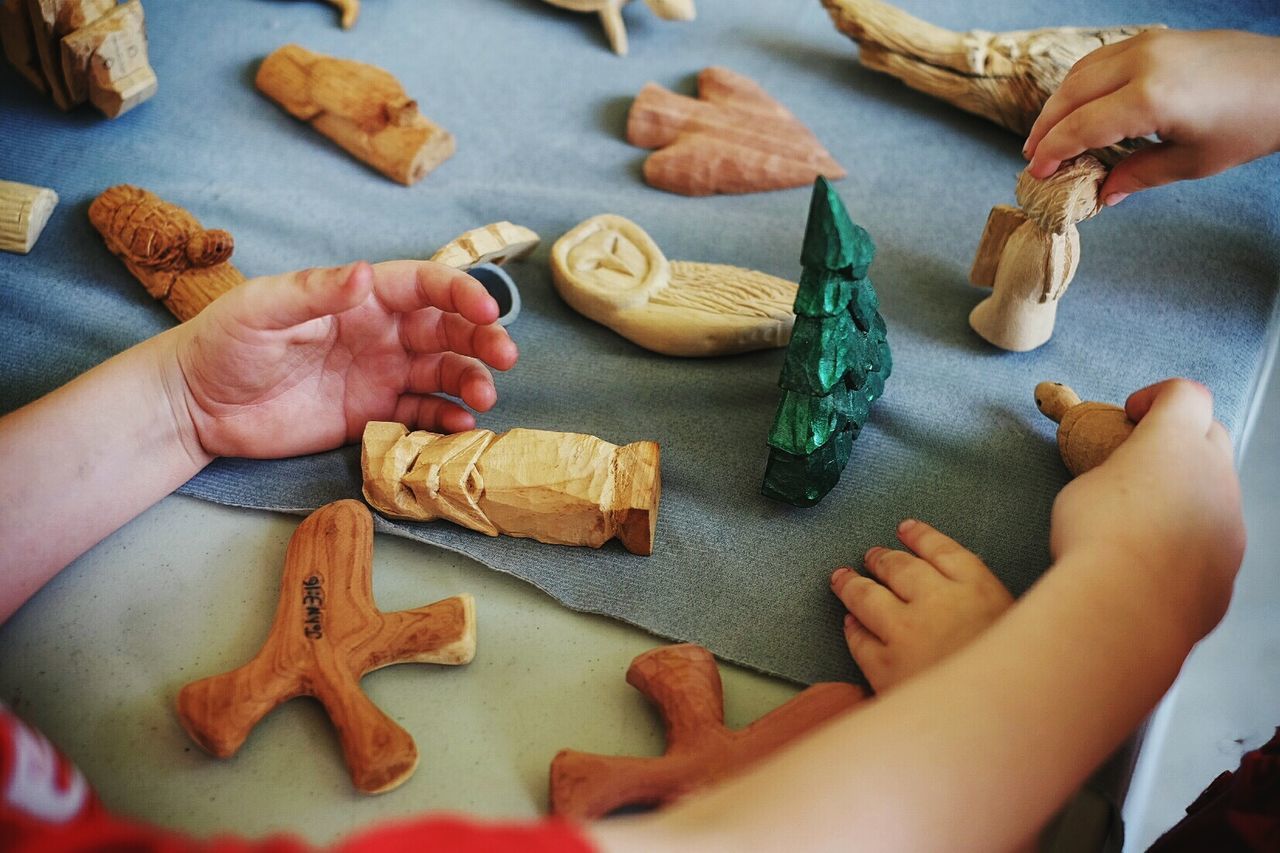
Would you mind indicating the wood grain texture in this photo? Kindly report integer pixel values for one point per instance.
(561, 488)
(496, 243)
(326, 635)
(24, 211)
(609, 270)
(360, 107)
(177, 260)
(684, 683)
(732, 138)
(1089, 432)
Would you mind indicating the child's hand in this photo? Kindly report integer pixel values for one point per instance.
(297, 363)
(1212, 97)
(1167, 499)
(928, 606)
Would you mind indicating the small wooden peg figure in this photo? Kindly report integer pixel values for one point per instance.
(1028, 255)
(1087, 432)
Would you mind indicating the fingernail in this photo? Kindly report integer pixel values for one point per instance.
(848, 621)
(906, 524)
(835, 576)
(871, 554)
(1114, 199)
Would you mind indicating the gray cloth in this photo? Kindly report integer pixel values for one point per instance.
(1176, 282)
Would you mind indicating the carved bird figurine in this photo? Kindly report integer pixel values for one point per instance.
(610, 12)
(1087, 432)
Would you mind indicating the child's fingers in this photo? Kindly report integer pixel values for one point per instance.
(283, 301)
(406, 286)
(1153, 166)
(1082, 84)
(433, 413)
(869, 602)
(455, 375)
(948, 556)
(1173, 403)
(433, 331)
(904, 574)
(1097, 124)
(864, 646)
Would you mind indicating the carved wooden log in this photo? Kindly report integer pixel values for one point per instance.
(326, 635)
(684, 682)
(558, 487)
(24, 210)
(733, 138)
(360, 107)
(1088, 433)
(179, 262)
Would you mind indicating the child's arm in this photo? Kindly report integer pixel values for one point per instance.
(977, 752)
(280, 366)
(1212, 97)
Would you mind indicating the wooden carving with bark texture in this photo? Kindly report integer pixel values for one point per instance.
(732, 138)
(360, 107)
(326, 635)
(684, 682)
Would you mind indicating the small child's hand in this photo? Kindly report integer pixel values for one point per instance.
(1212, 98)
(298, 363)
(926, 607)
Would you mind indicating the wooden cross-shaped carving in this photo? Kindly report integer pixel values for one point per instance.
(684, 682)
(326, 635)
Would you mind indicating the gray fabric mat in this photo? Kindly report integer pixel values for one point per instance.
(1180, 281)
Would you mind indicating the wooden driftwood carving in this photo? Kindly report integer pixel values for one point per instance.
(362, 108)
(166, 248)
(24, 211)
(608, 269)
(559, 487)
(1005, 77)
(326, 635)
(684, 682)
(80, 50)
(733, 138)
(1028, 255)
(1087, 432)
(610, 12)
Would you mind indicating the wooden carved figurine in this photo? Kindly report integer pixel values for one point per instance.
(1087, 432)
(349, 9)
(559, 487)
(361, 107)
(326, 635)
(1028, 254)
(608, 269)
(80, 50)
(166, 248)
(1004, 77)
(24, 211)
(496, 243)
(684, 682)
(733, 138)
(610, 12)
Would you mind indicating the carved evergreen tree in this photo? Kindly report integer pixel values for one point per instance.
(837, 361)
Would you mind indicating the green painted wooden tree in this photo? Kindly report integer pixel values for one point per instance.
(837, 361)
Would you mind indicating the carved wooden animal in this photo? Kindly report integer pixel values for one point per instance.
(608, 269)
(1028, 255)
(732, 138)
(684, 683)
(1087, 432)
(1005, 77)
(559, 487)
(177, 260)
(24, 211)
(610, 12)
(80, 50)
(326, 635)
(360, 107)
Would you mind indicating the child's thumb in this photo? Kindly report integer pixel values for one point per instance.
(282, 301)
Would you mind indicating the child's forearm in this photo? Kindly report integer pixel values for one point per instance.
(80, 462)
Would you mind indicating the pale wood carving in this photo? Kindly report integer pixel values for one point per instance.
(350, 10)
(360, 107)
(610, 12)
(558, 487)
(1029, 255)
(24, 210)
(733, 138)
(684, 682)
(177, 260)
(496, 243)
(608, 269)
(1005, 77)
(326, 636)
(1087, 432)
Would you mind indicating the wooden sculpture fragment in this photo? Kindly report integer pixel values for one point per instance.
(1005, 77)
(837, 362)
(483, 252)
(24, 211)
(1087, 432)
(177, 260)
(608, 269)
(80, 50)
(1029, 254)
(563, 488)
(362, 108)
(326, 635)
(732, 138)
(684, 682)
(610, 12)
